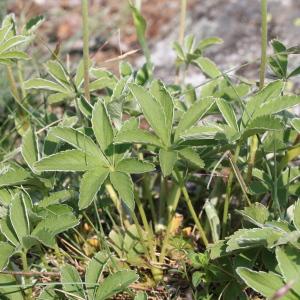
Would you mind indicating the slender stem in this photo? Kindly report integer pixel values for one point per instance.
(172, 211)
(86, 55)
(228, 192)
(191, 209)
(148, 196)
(262, 73)
(182, 21)
(147, 228)
(27, 270)
(13, 84)
(21, 79)
(264, 42)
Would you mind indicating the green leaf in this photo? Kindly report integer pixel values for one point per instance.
(264, 283)
(12, 42)
(90, 184)
(19, 217)
(159, 91)
(115, 283)
(193, 115)
(44, 84)
(295, 72)
(270, 91)
(94, 271)
(296, 217)
(102, 83)
(102, 126)
(14, 176)
(192, 156)
(58, 73)
(29, 148)
(71, 281)
(255, 237)
(227, 113)
(256, 213)
(134, 166)
(33, 24)
(8, 231)
(288, 259)
(78, 140)
(70, 161)
(137, 136)
(296, 124)
(123, 184)
(277, 105)
(14, 55)
(212, 132)
(279, 60)
(9, 288)
(208, 67)
(7, 251)
(167, 160)
(56, 197)
(205, 43)
(153, 111)
(262, 124)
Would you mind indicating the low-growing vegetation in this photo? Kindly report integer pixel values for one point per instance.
(121, 185)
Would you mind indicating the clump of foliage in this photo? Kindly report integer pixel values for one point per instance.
(141, 185)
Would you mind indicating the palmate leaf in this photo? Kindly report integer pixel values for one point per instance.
(190, 155)
(94, 271)
(58, 73)
(19, 217)
(279, 60)
(288, 259)
(227, 113)
(102, 127)
(270, 91)
(208, 67)
(70, 161)
(123, 184)
(264, 283)
(71, 281)
(262, 124)
(277, 105)
(44, 84)
(153, 112)
(30, 149)
(137, 136)
(7, 251)
(78, 140)
(115, 283)
(134, 166)
(167, 160)
(161, 94)
(9, 288)
(90, 184)
(14, 175)
(193, 115)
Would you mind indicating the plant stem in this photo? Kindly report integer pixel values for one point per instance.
(86, 56)
(191, 208)
(228, 192)
(262, 73)
(264, 42)
(26, 269)
(172, 211)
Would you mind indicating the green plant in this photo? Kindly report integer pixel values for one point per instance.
(127, 154)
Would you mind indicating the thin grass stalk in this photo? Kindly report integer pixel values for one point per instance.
(262, 74)
(86, 55)
(27, 280)
(191, 208)
(228, 193)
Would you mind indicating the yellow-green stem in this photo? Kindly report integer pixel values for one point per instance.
(86, 55)
(27, 280)
(228, 192)
(191, 209)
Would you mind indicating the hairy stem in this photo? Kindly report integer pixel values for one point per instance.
(86, 55)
